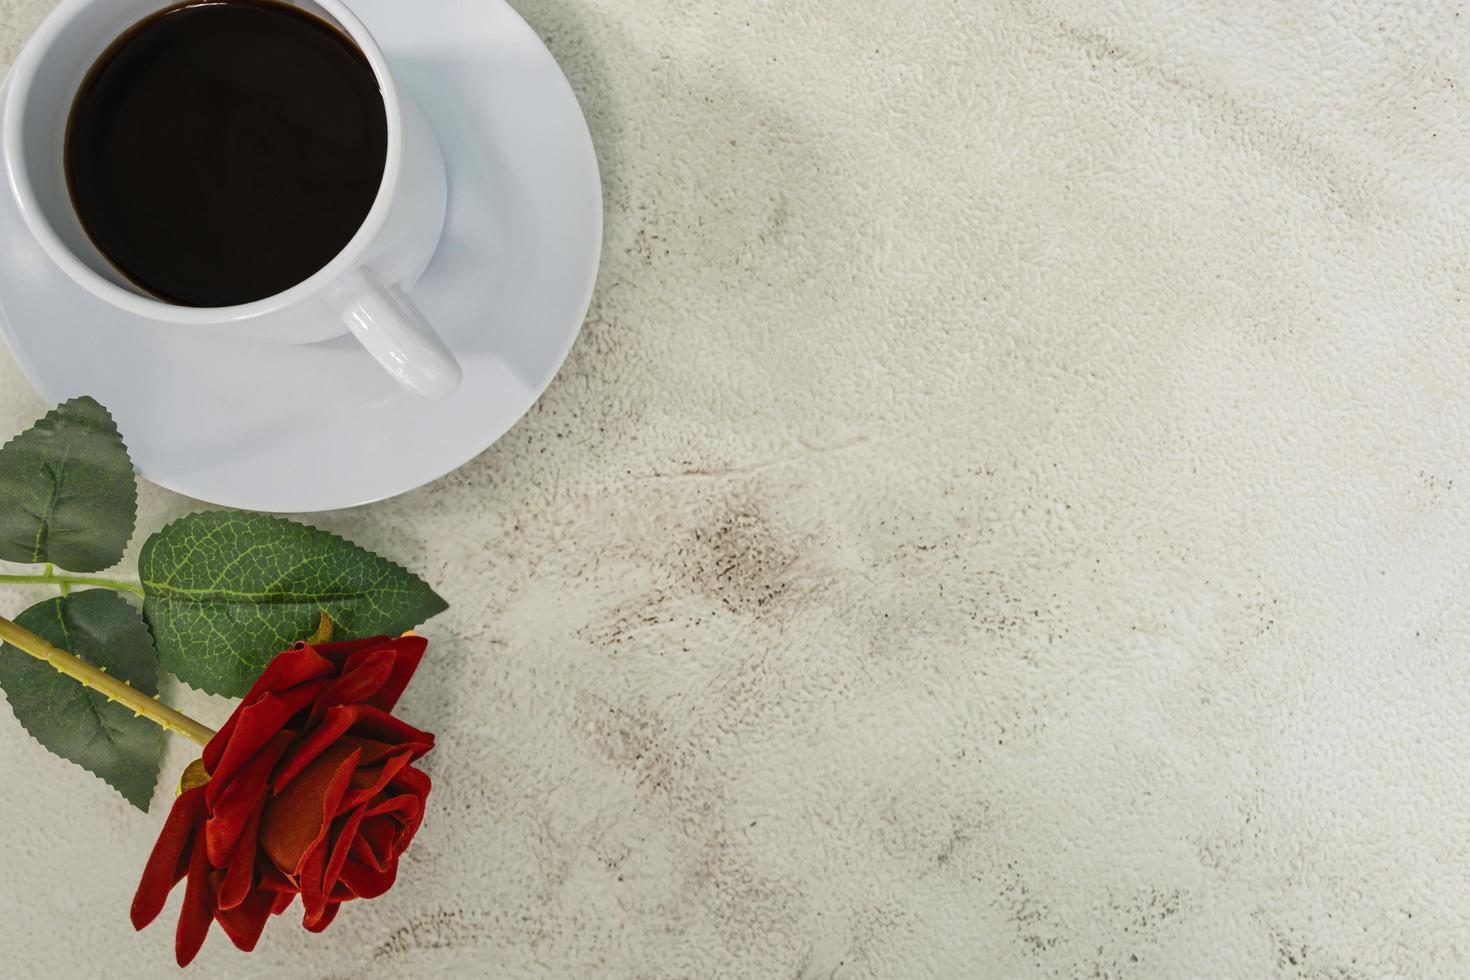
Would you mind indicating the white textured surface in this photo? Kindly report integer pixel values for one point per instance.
(1006, 516)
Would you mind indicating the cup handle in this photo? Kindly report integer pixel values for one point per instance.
(393, 330)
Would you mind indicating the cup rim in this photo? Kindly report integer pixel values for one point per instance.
(20, 84)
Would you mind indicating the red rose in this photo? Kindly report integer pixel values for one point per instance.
(311, 791)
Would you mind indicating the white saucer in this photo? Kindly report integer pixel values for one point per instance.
(293, 429)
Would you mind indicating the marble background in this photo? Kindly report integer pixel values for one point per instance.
(1006, 516)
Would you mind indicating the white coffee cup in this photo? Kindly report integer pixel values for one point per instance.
(363, 290)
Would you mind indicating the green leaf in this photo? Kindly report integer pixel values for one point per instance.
(226, 592)
(67, 492)
(76, 722)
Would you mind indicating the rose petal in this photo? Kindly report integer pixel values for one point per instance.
(345, 837)
(313, 892)
(361, 658)
(363, 722)
(361, 678)
(414, 781)
(367, 882)
(328, 732)
(368, 783)
(325, 919)
(245, 923)
(233, 802)
(272, 880)
(297, 818)
(377, 724)
(413, 787)
(406, 807)
(291, 668)
(198, 909)
(341, 652)
(374, 751)
(409, 650)
(251, 728)
(240, 870)
(169, 860)
(375, 842)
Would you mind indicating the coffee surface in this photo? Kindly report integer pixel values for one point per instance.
(222, 152)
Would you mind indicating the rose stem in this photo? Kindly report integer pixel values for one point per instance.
(66, 581)
(98, 680)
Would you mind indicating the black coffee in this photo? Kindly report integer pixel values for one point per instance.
(222, 152)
